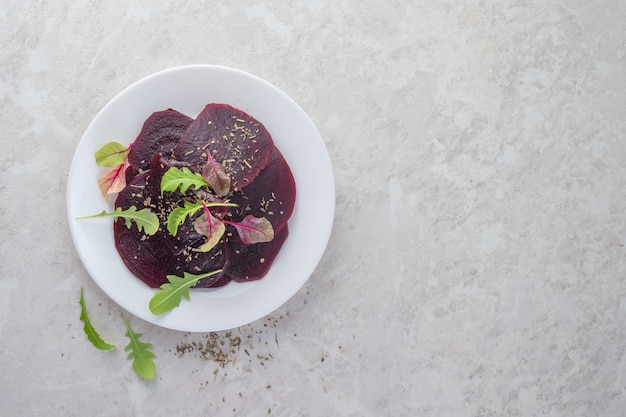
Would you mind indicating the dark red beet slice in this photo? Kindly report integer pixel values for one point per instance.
(130, 174)
(183, 245)
(236, 140)
(150, 261)
(200, 262)
(143, 255)
(133, 193)
(246, 150)
(151, 258)
(220, 282)
(146, 258)
(163, 204)
(160, 134)
(272, 195)
(251, 262)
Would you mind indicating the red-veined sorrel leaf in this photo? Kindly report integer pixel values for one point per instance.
(254, 229)
(216, 176)
(210, 227)
(111, 155)
(113, 181)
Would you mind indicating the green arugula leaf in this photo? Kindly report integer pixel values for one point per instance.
(183, 178)
(111, 155)
(143, 364)
(91, 333)
(169, 296)
(144, 218)
(179, 214)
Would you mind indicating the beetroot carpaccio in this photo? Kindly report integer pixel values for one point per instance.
(260, 184)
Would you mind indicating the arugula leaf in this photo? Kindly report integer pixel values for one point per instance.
(216, 176)
(178, 215)
(144, 218)
(254, 229)
(143, 364)
(112, 181)
(111, 155)
(183, 178)
(169, 296)
(91, 333)
(210, 227)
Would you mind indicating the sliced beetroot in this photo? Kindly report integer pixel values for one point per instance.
(150, 261)
(163, 204)
(222, 281)
(159, 135)
(234, 139)
(144, 256)
(151, 258)
(201, 262)
(272, 195)
(251, 262)
(262, 185)
(131, 173)
(133, 194)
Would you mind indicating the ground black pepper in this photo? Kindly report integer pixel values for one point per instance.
(225, 348)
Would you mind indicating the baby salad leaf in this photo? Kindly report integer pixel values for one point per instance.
(178, 215)
(143, 364)
(170, 295)
(113, 181)
(210, 227)
(144, 218)
(183, 178)
(253, 229)
(216, 176)
(111, 155)
(92, 335)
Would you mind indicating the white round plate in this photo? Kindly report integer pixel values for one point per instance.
(188, 89)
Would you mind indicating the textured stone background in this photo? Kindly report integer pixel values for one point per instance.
(477, 263)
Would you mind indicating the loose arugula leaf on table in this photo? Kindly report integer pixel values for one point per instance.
(144, 218)
(178, 215)
(111, 155)
(253, 229)
(183, 178)
(216, 176)
(143, 364)
(169, 296)
(112, 181)
(91, 333)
